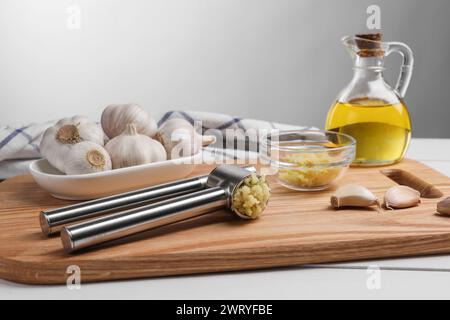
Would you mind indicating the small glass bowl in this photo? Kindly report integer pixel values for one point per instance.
(307, 160)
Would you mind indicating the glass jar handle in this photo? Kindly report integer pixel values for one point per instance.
(407, 66)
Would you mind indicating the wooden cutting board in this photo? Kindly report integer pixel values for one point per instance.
(297, 228)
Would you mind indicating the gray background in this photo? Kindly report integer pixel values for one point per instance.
(271, 59)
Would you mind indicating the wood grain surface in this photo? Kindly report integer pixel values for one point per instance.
(297, 228)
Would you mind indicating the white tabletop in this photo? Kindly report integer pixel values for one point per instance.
(423, 277)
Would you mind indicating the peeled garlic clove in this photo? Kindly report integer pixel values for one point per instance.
(180, 139)
(131, 149)
(443, 206)
(115, 118)
(353, 195)
(58, 140)
(399, 197)
(87, 157)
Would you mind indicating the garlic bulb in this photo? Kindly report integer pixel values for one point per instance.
(115, 118)
(180, 139)
(87, 157)
(131, 149)
(399, 197)
(353, 195)
(59, 139)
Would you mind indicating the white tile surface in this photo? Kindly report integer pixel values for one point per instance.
(418, 277)
(429, 149)
(441, 166)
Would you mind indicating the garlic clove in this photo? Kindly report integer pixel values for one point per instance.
(131, 149)
(180, 139)
(87, 157)
(443, 206)
(353, 195)
(399, 197)
(115, 118)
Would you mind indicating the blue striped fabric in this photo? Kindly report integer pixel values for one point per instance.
(10, 136)
(222, 122)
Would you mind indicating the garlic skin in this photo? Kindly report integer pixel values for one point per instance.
(180, 139)
(87, 157)
(59, 139)
(353, 195)
(399, 197)
(115, 118)
(405, 178)
(131, 149)
(443, 206)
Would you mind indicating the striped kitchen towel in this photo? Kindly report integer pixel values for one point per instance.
(20, 146)
(217, 124)
(240, 144)
(219, 121)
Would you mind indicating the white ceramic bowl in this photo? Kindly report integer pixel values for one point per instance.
(100, 184)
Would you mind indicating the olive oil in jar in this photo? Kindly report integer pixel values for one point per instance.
(369, 109)
(382, 131)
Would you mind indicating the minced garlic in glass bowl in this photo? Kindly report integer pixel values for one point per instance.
(308, 160)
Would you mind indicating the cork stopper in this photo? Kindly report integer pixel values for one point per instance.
(369, 45)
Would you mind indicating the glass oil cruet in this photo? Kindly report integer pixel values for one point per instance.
(369, 109)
